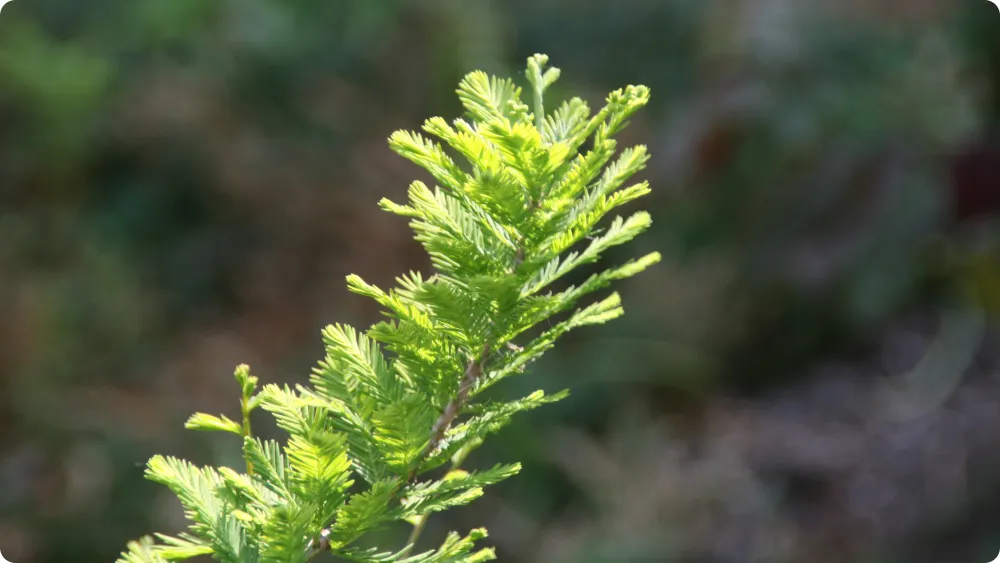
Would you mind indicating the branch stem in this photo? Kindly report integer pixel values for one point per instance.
(418, 527)
(245, 411)
(473, 370)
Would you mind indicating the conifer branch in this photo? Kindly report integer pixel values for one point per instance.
(365, 430)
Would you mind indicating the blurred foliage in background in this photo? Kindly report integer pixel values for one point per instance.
(184, 185)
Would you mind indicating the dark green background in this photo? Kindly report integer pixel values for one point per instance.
(184, 185)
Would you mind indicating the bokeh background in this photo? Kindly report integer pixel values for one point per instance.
(811, 374)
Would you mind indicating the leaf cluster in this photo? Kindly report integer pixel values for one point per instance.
(517, 207)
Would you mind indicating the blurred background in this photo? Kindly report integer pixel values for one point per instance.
(811, 374)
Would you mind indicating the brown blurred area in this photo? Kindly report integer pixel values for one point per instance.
(810, 375)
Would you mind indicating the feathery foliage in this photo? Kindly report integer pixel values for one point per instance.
(387, 406)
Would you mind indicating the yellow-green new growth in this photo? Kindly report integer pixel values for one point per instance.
(515, 200)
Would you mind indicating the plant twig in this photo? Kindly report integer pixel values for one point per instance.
(245, 408)
(473, 371)
(418, 527)
(315, 547)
